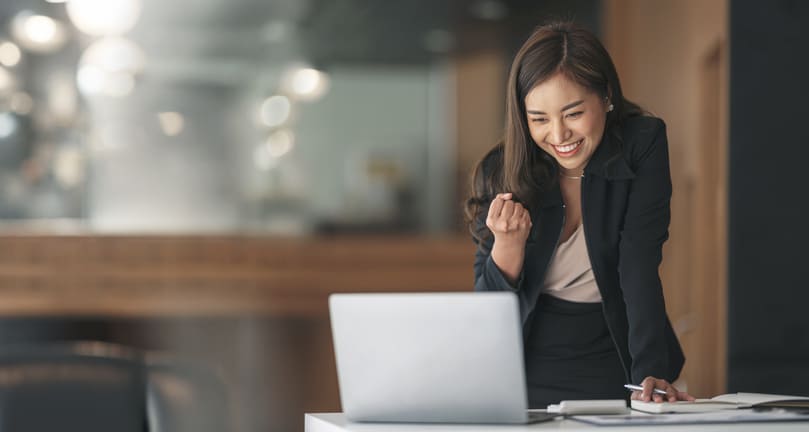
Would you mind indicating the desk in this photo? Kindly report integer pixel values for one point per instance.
(336, 422)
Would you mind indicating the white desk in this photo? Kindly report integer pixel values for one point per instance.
(336, 422)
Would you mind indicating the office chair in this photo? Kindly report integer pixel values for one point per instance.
(71, 386)
(183, 395)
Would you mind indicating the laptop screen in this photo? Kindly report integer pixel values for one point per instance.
(429, 357)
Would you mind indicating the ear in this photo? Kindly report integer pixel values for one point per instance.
(607, 95)
(608, 106)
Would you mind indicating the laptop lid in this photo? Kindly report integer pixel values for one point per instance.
(429, 357)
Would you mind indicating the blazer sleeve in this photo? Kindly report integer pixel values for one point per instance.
(488, 276)
(645, 230)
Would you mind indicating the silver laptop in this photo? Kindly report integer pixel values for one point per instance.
(437, 357)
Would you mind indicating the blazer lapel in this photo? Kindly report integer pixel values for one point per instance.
(608, 161)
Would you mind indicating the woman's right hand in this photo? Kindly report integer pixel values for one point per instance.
(509, 221)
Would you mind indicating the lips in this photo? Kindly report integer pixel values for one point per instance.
(568, 150)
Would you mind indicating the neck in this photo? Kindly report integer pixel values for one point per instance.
(575, 175)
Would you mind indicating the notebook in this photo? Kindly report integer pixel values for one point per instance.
(431, 358)
(722, 402)
(722, 416)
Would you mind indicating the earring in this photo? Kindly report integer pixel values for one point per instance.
(610, 108)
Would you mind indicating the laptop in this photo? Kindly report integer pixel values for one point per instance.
(431, 358)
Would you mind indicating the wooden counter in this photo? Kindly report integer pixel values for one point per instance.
(213, 275)
(255, 307)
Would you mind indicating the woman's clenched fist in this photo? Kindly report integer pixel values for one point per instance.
(508, 220)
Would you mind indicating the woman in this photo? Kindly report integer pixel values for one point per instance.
(570, 211)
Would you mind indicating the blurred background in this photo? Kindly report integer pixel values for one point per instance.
(191, 179)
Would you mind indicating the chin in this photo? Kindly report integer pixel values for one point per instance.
(571, 163)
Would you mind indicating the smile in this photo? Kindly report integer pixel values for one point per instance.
(569, 149)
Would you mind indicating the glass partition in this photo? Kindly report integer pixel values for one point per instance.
(285, 116)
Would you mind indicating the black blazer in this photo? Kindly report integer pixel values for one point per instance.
(626, 191)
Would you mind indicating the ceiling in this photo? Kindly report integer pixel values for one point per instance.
(328, 31)
(225, 41)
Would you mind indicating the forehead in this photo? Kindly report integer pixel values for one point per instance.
(556, 92)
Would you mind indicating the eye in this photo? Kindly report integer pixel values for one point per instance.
(539, 119)
(575, 115)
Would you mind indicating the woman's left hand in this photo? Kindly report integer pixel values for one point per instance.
(650, 383)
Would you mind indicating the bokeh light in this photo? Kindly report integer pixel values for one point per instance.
(275, 110)
(10, 54)
(38, 33)
(306, 83)
(171, 123)
(104, 17)
(109, 66)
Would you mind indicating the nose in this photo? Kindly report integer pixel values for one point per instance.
(558, 133)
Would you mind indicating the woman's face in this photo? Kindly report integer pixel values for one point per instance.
(566, 120)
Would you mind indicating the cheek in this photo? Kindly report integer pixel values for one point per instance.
(536, 135)
(594, 128)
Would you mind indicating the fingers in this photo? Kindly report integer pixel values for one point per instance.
(648, 385)
(495, 207)
(671, 394)
(508, 210)
(685, 396)
(651, 383)
(506, 215)
(520, 215)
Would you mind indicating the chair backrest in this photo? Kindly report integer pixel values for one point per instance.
(71, 386)
(184, 395)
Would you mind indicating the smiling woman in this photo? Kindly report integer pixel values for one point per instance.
(570, 211)
(568, 131)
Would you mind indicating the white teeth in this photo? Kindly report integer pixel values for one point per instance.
(568, 148)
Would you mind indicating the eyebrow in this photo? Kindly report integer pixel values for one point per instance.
(564, 108)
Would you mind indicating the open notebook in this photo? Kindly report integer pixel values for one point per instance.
(725, 401)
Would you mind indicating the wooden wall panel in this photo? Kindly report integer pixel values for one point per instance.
(671, 57)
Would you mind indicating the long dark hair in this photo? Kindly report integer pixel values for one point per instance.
(516, 164)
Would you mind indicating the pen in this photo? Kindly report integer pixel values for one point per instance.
(633, 387)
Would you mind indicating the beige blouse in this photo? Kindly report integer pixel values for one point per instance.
(570, 275)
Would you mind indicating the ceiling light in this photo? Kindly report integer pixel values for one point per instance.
(172, 123)
(306, 84)
(10, 54)
(266, 155)
(109, 67)
(104, 17)
(275, 110)
(38, 33)
(279, 143)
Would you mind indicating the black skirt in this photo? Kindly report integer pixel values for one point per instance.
(570, 355)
